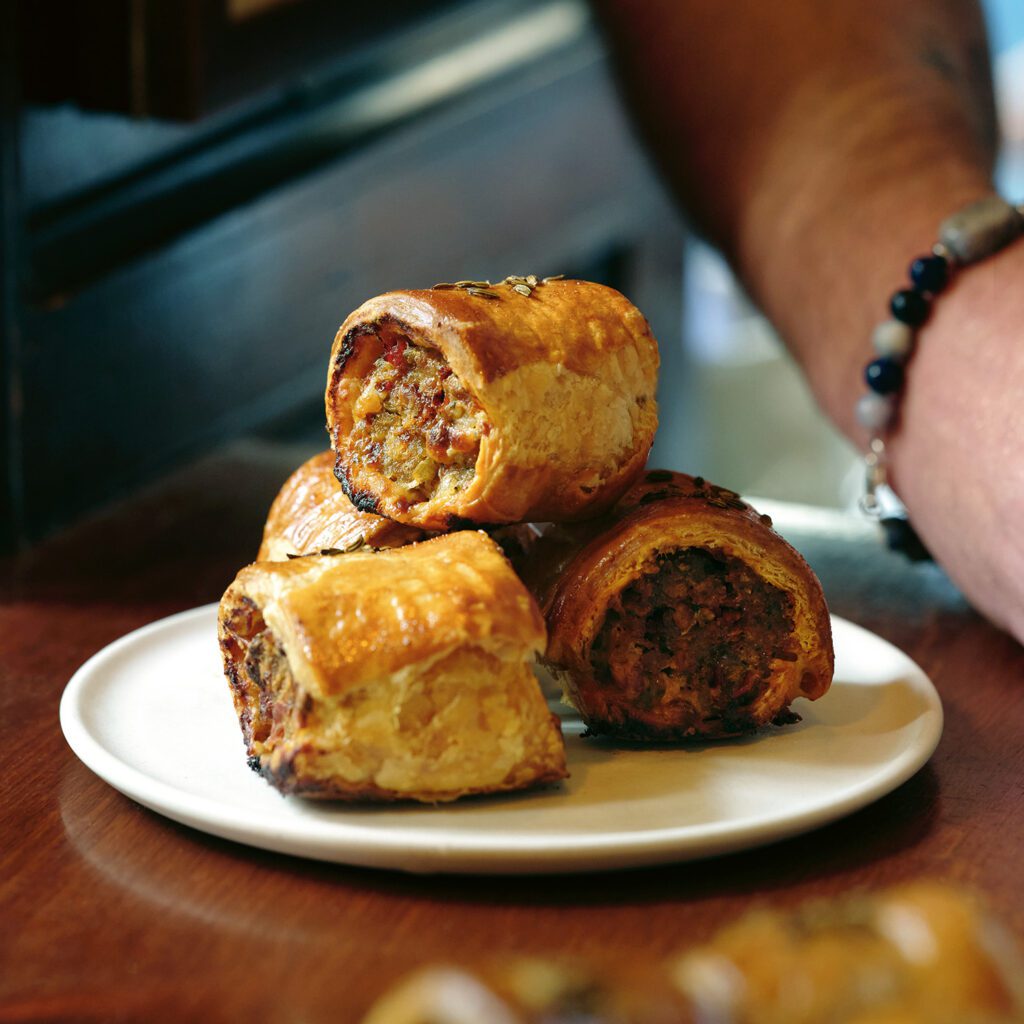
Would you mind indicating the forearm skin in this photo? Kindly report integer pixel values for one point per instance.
(819, 143)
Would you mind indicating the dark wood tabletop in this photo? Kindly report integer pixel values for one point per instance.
(112, 912)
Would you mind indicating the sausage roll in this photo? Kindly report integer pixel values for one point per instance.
(312, 513)
(922, 953)
(526, 400)
(398, 674)
(682, 614)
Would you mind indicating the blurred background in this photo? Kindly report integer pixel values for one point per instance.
(195, 194)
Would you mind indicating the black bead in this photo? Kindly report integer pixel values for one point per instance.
(884, 376)
(910, 306)
(901, 537)
(930, 273)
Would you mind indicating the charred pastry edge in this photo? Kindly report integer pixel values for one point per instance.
(362, 501)
(365, 501)
(348, 343)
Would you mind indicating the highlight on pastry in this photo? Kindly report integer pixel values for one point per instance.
(681, 614)
(478, 403)
(397, 674)
(312, 513)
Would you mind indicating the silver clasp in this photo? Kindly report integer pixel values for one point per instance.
(876, 476)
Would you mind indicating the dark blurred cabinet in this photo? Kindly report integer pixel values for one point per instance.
(183, 59)
(503, 152)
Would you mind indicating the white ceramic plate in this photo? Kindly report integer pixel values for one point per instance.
(151, 714)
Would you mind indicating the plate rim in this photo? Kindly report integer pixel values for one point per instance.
(495, 852)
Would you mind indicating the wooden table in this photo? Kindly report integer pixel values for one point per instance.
(111, 912)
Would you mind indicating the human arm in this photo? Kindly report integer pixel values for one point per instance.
(820, 144)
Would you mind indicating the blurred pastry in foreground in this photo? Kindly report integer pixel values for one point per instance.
(681, 614)
(478, 403)
(311, 513)
(397, 674)
(530, 990)
(922, 953)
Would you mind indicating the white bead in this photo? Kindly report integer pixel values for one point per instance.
(874, 411)
(894, 340)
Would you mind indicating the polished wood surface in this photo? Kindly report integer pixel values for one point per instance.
(114, 913)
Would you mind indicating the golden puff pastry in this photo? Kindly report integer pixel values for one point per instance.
(398, 674)
(681, 614)
(312, 513)
(921, 953)
(458, 405)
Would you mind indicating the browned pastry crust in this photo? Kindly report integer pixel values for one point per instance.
(398, 674)
(449, 406)
(312, 513)
(682, 614)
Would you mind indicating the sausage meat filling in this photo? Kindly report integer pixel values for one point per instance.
(689, 645)
(415, 422)
(272, 695)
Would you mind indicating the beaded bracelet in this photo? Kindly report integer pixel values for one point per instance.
(978, 230)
